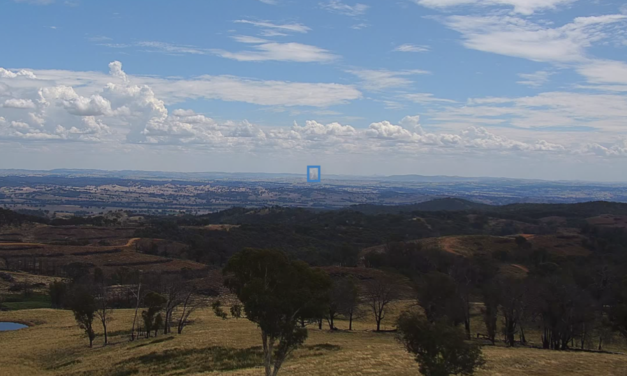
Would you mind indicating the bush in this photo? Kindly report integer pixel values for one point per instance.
(440, 348)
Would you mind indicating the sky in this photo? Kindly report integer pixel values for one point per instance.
(500, 88)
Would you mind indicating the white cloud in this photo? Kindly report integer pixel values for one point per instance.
(337, 6)
(314, 130)
(73, 103)
(411, 48)
(387, 130)
(470, 139)
(265, 51)
(517, 37)
(227, 88)
(115, 70)
(598, 116)
(535, 79)
(375, 80)
(249, 39)
(4, 73)
(22, 104)
(272, 33)
(618, 149)
(270, 2)
(526, 7)
(604, 72)
(425, 98)
(132, 110)
(172, 48)
(360, 26)
(291, 27)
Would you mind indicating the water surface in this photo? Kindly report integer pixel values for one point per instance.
(6, 326)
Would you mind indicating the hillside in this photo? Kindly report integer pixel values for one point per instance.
(530, 210)
(11, 218)
(528, 243)
(444, 204)
(55, 346)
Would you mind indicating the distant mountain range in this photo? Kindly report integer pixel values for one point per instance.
(196, 176)
(584, 209)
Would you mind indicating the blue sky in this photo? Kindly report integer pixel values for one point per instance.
(516, 88)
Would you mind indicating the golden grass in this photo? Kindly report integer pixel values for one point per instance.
(56, 346)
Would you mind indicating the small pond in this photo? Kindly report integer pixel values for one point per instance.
(6, 326)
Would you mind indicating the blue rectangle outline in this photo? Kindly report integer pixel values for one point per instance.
(319, 174)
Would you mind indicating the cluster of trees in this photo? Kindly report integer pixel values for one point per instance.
(280, 294)
(323, 238)
(165, 301)
(574, 302)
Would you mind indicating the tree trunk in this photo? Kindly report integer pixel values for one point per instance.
(136, 309)
(350, 321)
(106, 337)
(267, 353)
(378, 325)
(467, 327)
(331, 320)
(91, 335)
(600, 343)
(510, 328)
(320, 324)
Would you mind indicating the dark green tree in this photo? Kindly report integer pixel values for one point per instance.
(236, 311)
(439, 347)
(277, 293)
(58, 292)
(438, 296)
(491, 310)
(155, 303)
(348, 255)
(157, 324)
(82, 302)
(379, 294)
(345, 297)
(218, 311)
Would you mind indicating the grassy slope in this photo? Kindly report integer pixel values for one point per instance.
(56, 347)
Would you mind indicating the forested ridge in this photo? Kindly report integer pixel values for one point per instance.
(546, 276)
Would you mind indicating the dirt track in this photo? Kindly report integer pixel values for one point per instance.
(447, 245)
(19, 244)
(521, 267)
(131, 242)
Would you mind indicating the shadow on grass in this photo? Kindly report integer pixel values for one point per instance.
(210, 359)
(160, 340)
(194, 360)
(16, 302)
(63, 365)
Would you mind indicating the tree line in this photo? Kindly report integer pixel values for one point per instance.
(161, 302)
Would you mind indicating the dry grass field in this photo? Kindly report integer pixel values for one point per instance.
(55, 346)
(469, 245)
(109, 248)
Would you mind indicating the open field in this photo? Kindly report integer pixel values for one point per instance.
(46, 249)
(55, 346)
(619, 221)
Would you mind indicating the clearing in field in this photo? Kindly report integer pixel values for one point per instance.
(54, 345)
